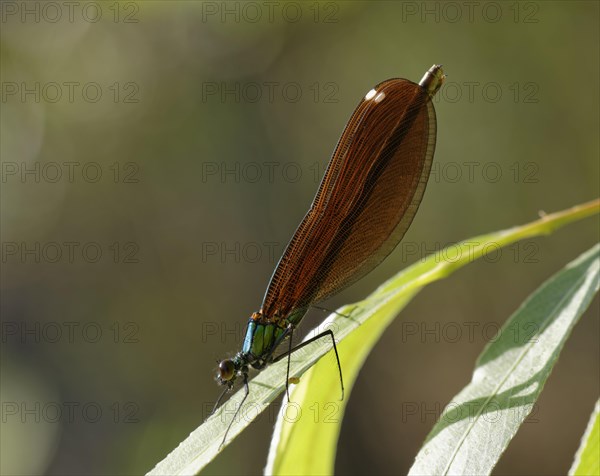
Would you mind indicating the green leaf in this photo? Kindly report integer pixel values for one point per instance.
(293, 440)
(587, 459)
(319, 390)
(477, 426)
(320, 386)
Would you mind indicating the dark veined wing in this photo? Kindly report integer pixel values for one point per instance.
(366, 201)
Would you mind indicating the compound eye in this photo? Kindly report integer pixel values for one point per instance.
(226, 370)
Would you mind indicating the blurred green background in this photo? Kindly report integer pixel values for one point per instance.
(157, 156)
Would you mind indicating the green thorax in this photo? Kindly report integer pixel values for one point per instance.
(264, 335)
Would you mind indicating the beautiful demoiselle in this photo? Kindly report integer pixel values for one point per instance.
(367, 199)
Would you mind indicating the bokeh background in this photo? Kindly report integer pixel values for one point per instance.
(157, 156)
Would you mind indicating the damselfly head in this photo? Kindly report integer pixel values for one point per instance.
(229, 369)
(226, 371)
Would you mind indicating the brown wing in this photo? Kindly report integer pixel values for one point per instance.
(366, 201)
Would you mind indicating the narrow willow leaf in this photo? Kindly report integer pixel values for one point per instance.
(293, 439)
(477, 426)
(202, 445)
(587, 459)
(318, 396)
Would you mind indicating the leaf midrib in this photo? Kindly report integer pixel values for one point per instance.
(509, 372)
